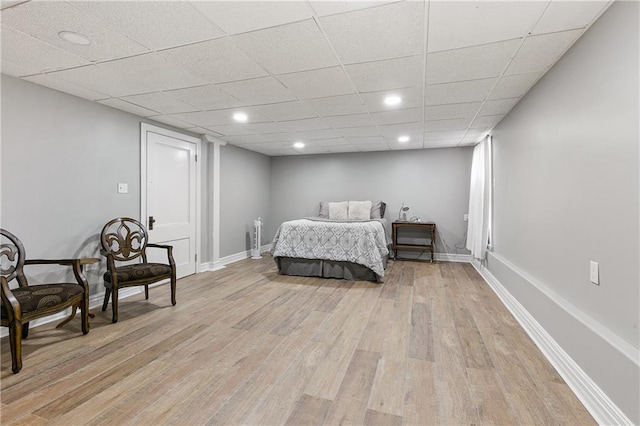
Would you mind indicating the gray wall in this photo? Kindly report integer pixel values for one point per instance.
(434, 183)
(62, 158)
(566, 192)
(244, 196)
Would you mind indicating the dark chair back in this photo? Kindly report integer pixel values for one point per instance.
(12, 258)
(125, 238)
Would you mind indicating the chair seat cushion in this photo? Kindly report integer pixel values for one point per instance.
(37, 297)
(139, 272)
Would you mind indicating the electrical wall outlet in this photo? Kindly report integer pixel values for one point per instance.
(123, 188)
(594, 272)
(465, 217)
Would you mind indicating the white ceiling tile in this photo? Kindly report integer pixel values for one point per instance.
(52, 82)
(330, 142)
(202, 131)
(411, 98)
(206, 97)
(281, 136)
(45, 19)
(454, 24)
(15, 70)
(395, 130)
(153, 24)
(294, 110)
(460, 92)
(246, 139)
(501, 106)
(470, 63)
(230, 130)
(130, 76)
(443, 112)
(171, 121)
(337, 105)
(317, 134)
(304, 125)
(324, 7)
(219, 117)
(486, 122)
(236, 17)
(265, 90)
(472, 139)
(451, 134)
(34, 55)
(406, 145)
(398, 116)
(352, 120)
(359, 132)
(372, 147)
(288, 48)
(128, 107)
(371, 140)
(387, 74)
(451, 124)
(514, 86)
(476, 133)
(318, 83)
(217, 61)
(568, 15)
(260, 128)
(4, 4)
(538, 53)
(440, 143)
(384, 32)
(161, 102)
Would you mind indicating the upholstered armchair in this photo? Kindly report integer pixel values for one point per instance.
(125, 240)
(25, 303)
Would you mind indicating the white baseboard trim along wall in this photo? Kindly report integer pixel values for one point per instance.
(595, 400)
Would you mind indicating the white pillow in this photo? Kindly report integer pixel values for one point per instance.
(339, 210)
(359, 210)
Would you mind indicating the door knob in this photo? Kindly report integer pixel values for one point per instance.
(151, 222)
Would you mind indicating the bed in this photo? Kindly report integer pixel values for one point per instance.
(346, 246)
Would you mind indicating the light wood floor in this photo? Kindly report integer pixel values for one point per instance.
(432, 345)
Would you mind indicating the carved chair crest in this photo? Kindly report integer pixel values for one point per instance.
(125, 238)
(12, 258)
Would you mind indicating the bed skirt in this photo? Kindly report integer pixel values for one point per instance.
(326, 269)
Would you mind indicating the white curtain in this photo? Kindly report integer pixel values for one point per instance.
(480, 200)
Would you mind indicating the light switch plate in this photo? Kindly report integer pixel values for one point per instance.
(123, 188)
(594, 272)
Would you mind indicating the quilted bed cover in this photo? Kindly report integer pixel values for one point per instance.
(361, 242)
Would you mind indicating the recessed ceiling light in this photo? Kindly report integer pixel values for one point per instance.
(403, 139)
(298, 145)
(74, 38)
(392, 100)
(240, 116)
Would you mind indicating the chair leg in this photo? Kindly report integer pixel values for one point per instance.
(146, 292)
(25, 330)
(107, 293)
(15, 341)
(84, 313)
(173, 290)
(114, 304)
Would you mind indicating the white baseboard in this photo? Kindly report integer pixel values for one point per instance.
(601, 407)
(224, 261)
(451, 257)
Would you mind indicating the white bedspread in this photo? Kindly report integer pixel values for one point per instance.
(361, 242)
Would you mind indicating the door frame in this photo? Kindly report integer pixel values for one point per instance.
(144, 129)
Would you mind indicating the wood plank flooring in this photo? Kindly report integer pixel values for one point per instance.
(244, 345)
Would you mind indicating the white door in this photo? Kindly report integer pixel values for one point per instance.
(171, 196)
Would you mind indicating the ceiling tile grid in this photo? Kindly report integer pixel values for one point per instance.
(312, 71)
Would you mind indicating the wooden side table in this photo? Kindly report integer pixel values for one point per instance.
(429, 228)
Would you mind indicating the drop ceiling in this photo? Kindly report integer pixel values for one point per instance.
(310, 71)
